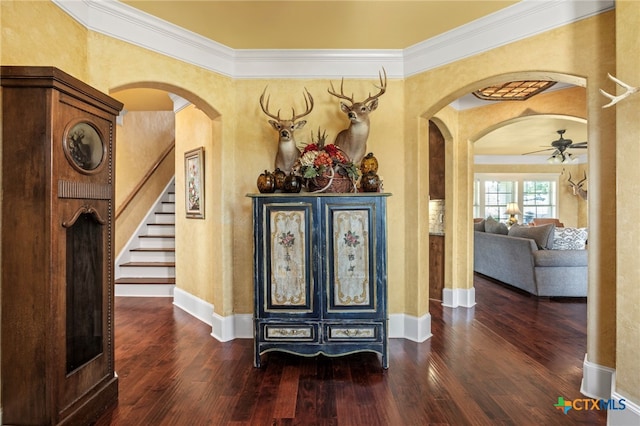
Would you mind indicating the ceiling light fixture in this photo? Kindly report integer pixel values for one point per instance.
(562, 158)
(513, 90)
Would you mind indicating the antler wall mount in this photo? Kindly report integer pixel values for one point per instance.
(288, 151)
(353, 140)
(577, 188)
(629, 90)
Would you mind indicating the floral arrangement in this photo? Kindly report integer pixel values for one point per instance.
(318, 159)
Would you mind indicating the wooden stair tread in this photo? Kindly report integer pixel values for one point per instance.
(161, 224)
(157, 236)
(151, 264)
(155, 250)
(136, 280)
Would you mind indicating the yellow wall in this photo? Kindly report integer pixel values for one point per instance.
(198, 252)
(143, 136)
(240, 145)
(39, 33)
(628, 207)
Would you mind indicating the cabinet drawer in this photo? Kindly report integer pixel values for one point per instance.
(289, 332)
(353, 332)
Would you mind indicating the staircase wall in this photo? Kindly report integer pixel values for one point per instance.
(141, 141)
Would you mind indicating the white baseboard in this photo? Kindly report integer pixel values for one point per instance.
(630, 415)
(403, 326)
(596, 380)
(193, 306)
(144, 290)
(459, 297)
(239, 326)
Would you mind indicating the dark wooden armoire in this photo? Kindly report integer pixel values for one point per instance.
(57, 248)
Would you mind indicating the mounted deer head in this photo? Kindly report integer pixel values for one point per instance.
(288, 151)
(353, 140)
(577, 187)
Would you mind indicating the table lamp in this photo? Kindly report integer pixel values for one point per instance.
(512, 211)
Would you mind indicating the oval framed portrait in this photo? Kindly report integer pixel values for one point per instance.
(84, 147)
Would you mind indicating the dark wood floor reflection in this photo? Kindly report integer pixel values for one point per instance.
(504, 362)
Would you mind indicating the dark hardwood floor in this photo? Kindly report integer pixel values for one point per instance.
(504, 362)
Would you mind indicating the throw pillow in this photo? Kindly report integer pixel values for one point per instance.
(543, 235)
(492, 226)
(570, 238)
(479, 226)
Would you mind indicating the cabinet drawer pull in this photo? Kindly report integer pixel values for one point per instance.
(289, 332)
(360, 333)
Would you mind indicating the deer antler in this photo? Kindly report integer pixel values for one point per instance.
(382, 87)
(615, 99)
(307, 103)
(265, 107)
(579, 182)
(341, 95)
(583, 179)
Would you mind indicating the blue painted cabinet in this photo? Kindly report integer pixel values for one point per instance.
(320, 274)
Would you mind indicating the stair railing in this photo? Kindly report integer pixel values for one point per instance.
(144, 179)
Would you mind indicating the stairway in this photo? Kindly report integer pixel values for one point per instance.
(146, 268)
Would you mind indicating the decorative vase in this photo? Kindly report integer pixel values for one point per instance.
(279, 176)
(292, 183)
(266, 182)
(369, 164)
(370, 182)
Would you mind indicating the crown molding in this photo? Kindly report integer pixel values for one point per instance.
(524, 19)
(317, 63)
(125, 23)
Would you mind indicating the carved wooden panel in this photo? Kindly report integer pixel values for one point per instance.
(286, 264)
(351, 258)
(288, 238)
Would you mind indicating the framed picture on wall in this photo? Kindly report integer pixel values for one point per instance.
(194, 183)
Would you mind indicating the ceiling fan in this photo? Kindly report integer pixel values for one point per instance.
(559, 148)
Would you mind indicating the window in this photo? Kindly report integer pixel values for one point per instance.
(535, 194)
(496, 196)
(538, 199)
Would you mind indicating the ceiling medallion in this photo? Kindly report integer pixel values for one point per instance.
(513, 90)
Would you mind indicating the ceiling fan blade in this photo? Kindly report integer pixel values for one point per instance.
(578, 145)
(542, 150)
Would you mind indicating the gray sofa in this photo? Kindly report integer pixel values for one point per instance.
(519, 262)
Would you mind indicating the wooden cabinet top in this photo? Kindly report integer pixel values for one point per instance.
(54, 78)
